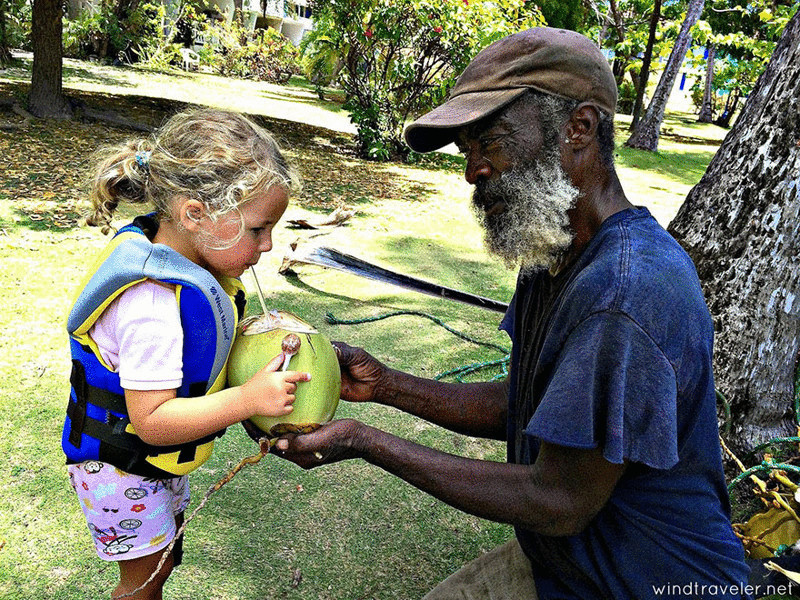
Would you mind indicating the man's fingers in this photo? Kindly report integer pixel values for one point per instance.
(344, 352)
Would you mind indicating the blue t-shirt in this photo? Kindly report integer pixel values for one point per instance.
(615, 352)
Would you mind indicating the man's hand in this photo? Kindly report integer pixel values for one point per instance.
(254, 432)
(334, 441)
(362, 374)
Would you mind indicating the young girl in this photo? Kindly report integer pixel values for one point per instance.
(152, 327)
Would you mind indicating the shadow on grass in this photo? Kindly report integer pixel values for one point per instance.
(60, 218)
(331, 171)
(79, 74)
(73, 73)
(311, 101)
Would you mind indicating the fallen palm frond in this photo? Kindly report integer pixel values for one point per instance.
(329, 257)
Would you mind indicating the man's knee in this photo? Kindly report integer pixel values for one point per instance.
(502, 574)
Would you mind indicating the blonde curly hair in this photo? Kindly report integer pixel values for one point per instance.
(216, 157)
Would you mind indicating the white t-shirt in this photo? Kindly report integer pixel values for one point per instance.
(140, 336)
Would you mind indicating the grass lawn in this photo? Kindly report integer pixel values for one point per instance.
(350, 530)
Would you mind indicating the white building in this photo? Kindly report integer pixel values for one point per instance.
(291, 17)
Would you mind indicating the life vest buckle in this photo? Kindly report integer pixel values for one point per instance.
(76, 411)
(118, 424)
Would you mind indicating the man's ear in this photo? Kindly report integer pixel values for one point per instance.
(581, 128)
(190, 214)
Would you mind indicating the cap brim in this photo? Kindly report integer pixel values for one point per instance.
(438, 127)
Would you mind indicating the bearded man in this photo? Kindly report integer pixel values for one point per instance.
(614, 480)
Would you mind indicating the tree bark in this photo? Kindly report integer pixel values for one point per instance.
(741, 225)
(707, 110)
(645, 137)
(641, 88)
(46, 95)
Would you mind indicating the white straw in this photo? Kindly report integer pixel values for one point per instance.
(258, 289)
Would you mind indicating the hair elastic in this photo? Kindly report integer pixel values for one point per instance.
(143, 159)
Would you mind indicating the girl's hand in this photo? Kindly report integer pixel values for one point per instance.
(270, 392)
(362, 374)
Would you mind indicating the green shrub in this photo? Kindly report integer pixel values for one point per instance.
(265, 55)
(627, 97)
(149, 33)
(16, 24)
(93, 34)
(399, 58)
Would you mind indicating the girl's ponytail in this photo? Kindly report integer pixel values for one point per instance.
(121, 175)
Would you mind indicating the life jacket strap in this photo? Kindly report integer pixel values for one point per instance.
(76, 411)
(85, 393)
(113, 431)
(94, 395)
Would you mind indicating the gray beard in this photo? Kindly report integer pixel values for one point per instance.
(533, 231)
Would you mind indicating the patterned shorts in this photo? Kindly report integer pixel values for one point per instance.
(129, 516)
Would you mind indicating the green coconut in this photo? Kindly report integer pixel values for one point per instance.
(259, 340)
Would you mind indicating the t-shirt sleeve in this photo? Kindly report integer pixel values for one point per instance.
(150, 337)
(612, 388)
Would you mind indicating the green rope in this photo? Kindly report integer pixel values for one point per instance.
(460, 372)
(797, 393)
(766, 465)
(775, 442)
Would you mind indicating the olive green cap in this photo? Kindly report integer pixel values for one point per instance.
(554, 61)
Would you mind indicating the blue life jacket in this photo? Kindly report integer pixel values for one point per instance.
(97, 426)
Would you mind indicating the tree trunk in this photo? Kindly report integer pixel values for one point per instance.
(620, 64)
(707, 110)
(641, 88)
(46, 95)
(647, 132)
(741, 225)
(731, 105)
(5, 53)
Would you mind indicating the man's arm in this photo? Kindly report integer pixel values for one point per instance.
(475, 409)
(558, 495)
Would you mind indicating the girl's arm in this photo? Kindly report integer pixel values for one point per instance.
(161, 418)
